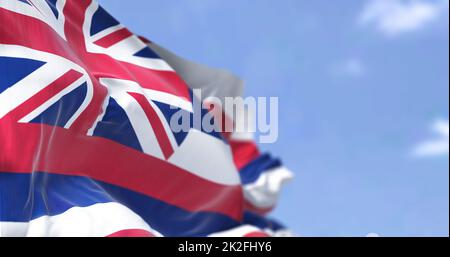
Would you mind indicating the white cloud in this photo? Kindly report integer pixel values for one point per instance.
(438, 146)
(372, 235)
(351, 67)
(393, 17)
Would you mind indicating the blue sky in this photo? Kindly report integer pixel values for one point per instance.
(363, 90)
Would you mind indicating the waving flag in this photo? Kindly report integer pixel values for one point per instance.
(86, 146)
(262, 175)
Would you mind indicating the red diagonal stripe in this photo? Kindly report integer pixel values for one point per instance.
(113, 38)
(155, 122)
(22, 30)
(18, 29)
(101, 65)
(42, 96)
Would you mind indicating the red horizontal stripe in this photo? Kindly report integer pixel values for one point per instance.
(113, 38)
(37, 147)
(244, 152)
(132, 233)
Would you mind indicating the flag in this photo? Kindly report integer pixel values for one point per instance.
(86, 144)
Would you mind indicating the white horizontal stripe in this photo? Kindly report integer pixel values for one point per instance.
(280, 233)
(97, 220)
(264, 192)
(206, 157)
(240, 231)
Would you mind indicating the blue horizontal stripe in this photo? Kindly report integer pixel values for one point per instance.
(262, 222)
(29, 196)
(251, 172)
(24, 197)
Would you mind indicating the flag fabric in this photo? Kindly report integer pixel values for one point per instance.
(261, 174)
(86, 146)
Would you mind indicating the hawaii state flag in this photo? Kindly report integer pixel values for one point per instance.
(86, 146)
